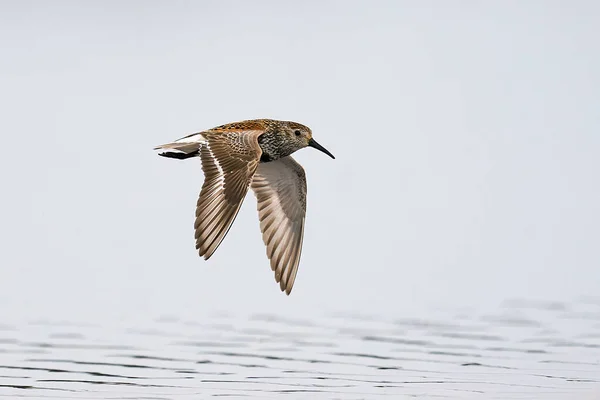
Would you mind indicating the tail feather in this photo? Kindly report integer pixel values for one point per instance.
(183, 148)
(179, 156)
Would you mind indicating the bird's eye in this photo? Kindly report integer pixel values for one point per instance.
(297, 132)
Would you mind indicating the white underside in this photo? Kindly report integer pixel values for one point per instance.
(196, 138)
(185, 145)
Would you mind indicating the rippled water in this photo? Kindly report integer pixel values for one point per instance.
(525, 350)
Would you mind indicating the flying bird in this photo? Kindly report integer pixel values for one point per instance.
(257, 154)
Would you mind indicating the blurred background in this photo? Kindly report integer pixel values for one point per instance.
(465, 135)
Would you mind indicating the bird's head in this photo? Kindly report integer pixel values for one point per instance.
(301, 136)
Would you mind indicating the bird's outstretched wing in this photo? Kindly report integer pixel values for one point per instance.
(280, 189)
(229, 160)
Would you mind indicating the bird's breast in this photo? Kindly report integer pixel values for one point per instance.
(271, 145)
(265, 157)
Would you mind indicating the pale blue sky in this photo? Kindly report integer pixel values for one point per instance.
(466, 137)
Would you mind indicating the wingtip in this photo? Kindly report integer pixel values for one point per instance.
(202, 252)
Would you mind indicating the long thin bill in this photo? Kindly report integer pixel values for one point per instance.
(313, 143)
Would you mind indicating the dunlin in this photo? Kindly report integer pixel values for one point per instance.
(256, 154)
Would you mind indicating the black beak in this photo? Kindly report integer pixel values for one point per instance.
(312, 143)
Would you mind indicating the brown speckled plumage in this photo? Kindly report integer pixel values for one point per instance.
(254, 153)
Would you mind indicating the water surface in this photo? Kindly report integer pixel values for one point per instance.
(526, 350)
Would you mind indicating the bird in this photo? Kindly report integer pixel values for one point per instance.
(251, 154)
